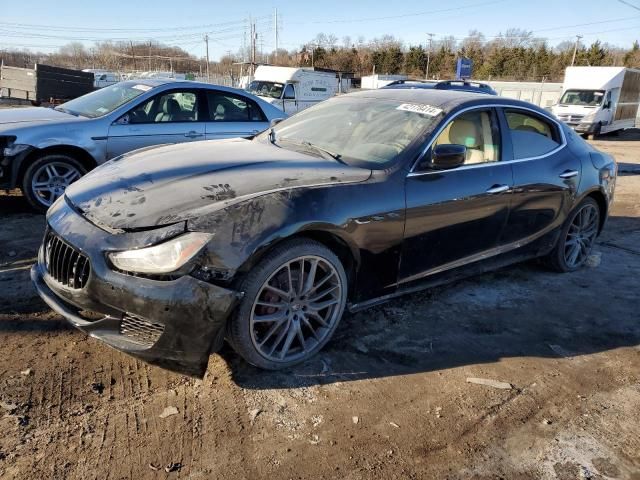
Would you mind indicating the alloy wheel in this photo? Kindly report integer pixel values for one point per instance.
(581, 235)
(51, 179)
(296, 308)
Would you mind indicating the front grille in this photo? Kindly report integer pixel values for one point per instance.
(140, 330)
(65, 264)
(571, 118)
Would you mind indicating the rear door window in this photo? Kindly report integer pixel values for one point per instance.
(227, 107)
(531, 135)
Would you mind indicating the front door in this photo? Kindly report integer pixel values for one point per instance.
(169, 117)
(546, 175)
(455, 216)
(231, 116)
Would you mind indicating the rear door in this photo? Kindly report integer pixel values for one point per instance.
(172, 116)
(455, 216)
(230, 115)
(546, 174)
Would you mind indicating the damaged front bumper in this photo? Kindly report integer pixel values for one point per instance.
(175, 324)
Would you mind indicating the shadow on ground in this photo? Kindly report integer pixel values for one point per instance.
(518, 311)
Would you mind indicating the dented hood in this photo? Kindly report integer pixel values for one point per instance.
(164, 185)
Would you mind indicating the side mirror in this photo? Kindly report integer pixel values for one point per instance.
(275, 121)
(444, 157)
(123, 120)
(607, 105)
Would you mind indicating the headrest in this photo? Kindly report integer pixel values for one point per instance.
(171, 106)
(464, 132)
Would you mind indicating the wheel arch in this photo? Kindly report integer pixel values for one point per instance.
(341, 247)
(78, 153)
(603, 206)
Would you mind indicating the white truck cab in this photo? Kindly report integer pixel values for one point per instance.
(599, 100)
(294, 89)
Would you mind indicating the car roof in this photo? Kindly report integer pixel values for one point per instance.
(159, 82)
(447, 100)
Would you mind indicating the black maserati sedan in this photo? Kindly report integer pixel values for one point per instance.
(165, 252)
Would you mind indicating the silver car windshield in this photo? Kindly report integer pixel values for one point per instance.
(106, 100)
(357, 130)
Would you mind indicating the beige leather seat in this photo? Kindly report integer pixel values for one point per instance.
(467, 133)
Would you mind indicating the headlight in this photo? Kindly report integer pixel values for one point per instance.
(14, 149)
(165, 257)
(589, 117)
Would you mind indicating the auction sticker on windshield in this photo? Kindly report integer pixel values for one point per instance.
(420, 108)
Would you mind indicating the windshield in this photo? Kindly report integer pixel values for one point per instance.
(104, 101)
(356, 130)
(589, 98)
(266, 89)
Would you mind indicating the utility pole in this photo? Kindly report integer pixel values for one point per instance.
(133, 54)
(206, 42)
(254, 39)
(275, 35)
(575, 49)
(149, 55)
(430, 35)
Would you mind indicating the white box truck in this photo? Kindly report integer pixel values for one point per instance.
(293, 89)
(599, 100)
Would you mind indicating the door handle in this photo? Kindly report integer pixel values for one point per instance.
(193, 134)
(498, 189)
(569, 174)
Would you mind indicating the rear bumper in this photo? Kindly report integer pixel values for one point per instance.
(174, 324)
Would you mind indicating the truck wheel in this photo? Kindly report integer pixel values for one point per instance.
(293, 300)
(47, 178)
(596, 132)
(576, 238)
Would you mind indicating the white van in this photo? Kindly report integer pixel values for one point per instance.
(294, 89)
(599, 99)
(103, 78)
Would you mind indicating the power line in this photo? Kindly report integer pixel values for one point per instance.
(629, 4)
(414, 14)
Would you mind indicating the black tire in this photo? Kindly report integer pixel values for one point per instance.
(596, 133)
(242, 336)
(39, 201)
(557, 259)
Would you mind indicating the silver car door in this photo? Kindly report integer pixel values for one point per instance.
(170, 117)
(231, 115)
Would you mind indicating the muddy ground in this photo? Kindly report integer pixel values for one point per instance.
(388, 398)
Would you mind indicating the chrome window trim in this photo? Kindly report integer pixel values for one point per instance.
(413, 173)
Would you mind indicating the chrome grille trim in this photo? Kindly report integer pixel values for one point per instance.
(64, 263)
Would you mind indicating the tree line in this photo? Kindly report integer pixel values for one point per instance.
(515, 55)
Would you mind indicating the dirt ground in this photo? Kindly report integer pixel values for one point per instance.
(388, 398)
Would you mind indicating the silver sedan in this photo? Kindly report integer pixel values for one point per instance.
(43, 150)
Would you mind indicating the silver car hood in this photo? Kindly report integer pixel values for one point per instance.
(168, 184)
(18, 117)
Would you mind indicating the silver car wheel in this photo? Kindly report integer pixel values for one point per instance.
(51, 179)
(296, 308)
(581, 235)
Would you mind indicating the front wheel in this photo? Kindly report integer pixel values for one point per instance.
(576, 238)
(47, 178)
(293, 301)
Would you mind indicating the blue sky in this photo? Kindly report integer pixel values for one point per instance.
(184, 22)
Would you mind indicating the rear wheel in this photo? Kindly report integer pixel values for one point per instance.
(576, 238)
(596, 133)
(294, 299)
(47, 178)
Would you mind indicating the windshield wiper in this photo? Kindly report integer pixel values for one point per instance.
(64, 110)
(323, 151)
